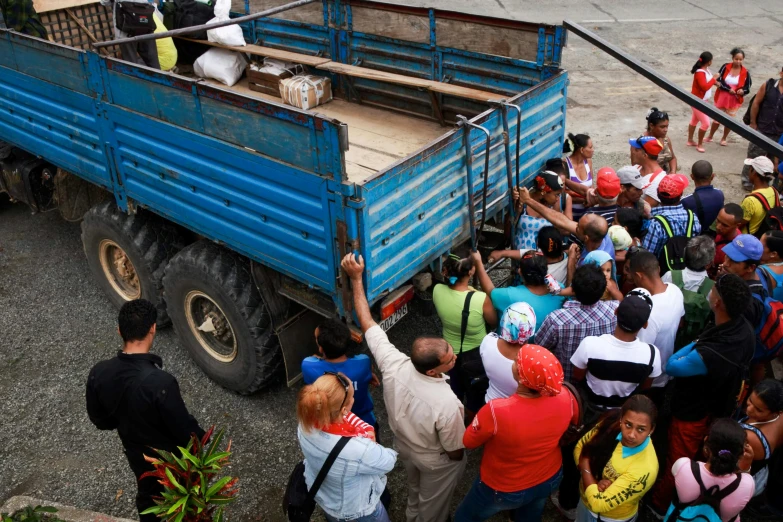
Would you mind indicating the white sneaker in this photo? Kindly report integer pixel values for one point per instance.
(570, 514)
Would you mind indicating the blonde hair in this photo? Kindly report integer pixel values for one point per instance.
(319, 404)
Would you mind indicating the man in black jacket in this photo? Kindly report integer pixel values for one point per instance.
(708, 377)
(132, 394)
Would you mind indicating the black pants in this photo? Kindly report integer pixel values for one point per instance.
(568, 491)
(142, 53)
(468, 380)
(148, 487)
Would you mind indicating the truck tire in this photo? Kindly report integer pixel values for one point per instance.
(128, 254)
(221, 318)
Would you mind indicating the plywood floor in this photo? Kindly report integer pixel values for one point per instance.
(377, 138)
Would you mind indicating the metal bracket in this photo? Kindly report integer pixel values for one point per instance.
(463, 122)
(504, 106)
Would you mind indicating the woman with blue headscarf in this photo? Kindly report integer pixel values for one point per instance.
(606, 263)
(499, 350)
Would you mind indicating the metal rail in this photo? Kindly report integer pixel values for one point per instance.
(463, 122)
(197, 28)
(678, 92)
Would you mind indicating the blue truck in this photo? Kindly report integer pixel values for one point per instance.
(231, 211)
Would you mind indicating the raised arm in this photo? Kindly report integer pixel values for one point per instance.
(553, 216)
(353, 269)
(486, 283)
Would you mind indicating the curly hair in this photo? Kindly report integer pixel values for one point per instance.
(734, 293)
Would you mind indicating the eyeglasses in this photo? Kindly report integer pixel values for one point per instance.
(346, 384)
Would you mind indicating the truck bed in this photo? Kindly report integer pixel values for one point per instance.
(378, 138)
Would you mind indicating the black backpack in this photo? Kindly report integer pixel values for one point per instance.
(773, 217)
(672, 256)
(190, 13)
(134, 18)
(706, 507)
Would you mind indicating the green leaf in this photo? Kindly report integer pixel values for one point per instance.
(216, 457)
(180, 516)
(45, 509)
(178, 505)
(203, 483)
(218, 516)
(217, 486)
(187, 455)
(215, 442)
(221, 500)
(176, 484)
(154, 510)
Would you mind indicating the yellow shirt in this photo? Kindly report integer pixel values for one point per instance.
(753, 211)
(631, 478)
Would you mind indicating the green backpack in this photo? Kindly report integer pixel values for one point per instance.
(697, 309)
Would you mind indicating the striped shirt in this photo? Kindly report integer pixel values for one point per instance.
(563, 330)
(615, 368)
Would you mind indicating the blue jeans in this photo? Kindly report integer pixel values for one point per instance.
(585, 515)
(482, 501)
(379, 515)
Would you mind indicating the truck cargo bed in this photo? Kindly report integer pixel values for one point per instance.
(377, 138)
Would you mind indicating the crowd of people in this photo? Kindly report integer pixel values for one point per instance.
(624, 363)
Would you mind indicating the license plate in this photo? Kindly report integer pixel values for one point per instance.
(390, 321)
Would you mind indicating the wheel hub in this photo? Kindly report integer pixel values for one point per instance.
(119, 270)
(210, 326)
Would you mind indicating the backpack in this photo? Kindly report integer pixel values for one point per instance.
(707, 506)
(190, 13)
(672, 256)
(773, 216)
(134, 18)
(697, 309)
(769, 332)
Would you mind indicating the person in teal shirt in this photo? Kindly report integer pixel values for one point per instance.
(535, 292)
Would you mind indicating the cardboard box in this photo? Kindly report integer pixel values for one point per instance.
(305, 91)
(272, 71)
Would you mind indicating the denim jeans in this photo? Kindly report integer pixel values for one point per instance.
(379, 515)
(482, 501)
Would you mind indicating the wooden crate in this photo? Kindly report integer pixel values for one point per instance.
(96, 18)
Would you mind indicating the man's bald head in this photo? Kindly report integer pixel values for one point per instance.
(427, 353)
(594, 227)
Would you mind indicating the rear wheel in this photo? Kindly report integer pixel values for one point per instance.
(129, 253)
(221, 318)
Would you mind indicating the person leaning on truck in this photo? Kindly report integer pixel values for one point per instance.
(424, 414)
(20, 16)
(133, 395)
(142, 53)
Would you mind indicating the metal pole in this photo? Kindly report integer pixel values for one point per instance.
(509, 174)
(197, 28)
(463, 122)
(746, 132)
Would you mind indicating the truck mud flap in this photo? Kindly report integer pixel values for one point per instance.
(297, 340)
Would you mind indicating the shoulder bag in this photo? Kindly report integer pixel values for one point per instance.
(298, 502)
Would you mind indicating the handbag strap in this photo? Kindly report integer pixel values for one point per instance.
(325, 468)
(699, 209)
(465, 315)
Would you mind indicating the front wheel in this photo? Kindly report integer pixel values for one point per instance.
(221, 318)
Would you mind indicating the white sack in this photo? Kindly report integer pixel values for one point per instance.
(229, 35)
(222, 65)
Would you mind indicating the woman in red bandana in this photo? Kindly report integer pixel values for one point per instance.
(733, 84)
(522, 462)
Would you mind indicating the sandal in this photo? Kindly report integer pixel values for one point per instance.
(690, 143)
(707, 140)
(724, 143)
(700, 149)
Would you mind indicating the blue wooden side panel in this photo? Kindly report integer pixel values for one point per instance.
(297, 37)
(40, 115)
(261, 208)
(432, 188)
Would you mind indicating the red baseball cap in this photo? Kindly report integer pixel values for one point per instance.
(671, 186)
(608, 184)
(649, 144)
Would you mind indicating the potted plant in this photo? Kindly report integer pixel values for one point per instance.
(191, 490)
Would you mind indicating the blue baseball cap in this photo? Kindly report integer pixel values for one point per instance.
(744, 247)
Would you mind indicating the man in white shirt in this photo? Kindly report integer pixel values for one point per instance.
(617, 365)
(668, 309)
(698, 255)
(424, 414)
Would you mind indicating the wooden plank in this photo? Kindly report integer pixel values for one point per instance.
(391, 24)
(309, 14)
(484, 39)
(325, 64)
(258, 50)
(382, 76)
(42, 6)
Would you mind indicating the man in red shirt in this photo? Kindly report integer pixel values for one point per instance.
(520, 467)
(726, 225)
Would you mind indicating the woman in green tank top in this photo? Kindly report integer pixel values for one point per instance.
(467, 378)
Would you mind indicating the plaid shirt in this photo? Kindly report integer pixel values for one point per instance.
(20, 16)
(563, 330)
(678, 220)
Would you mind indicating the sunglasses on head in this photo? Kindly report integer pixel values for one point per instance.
(532, 253)
(346, 384)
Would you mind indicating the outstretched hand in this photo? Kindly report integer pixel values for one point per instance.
(353, 266)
